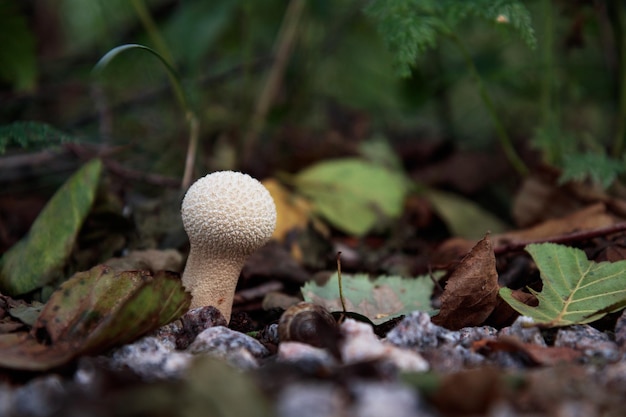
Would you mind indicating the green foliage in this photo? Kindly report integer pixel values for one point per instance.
(600, 168)
(39, 257)
(31, 136)
(378, 299)
(18, 59)
(575, 290)
(94, 311)
(352, 194)
(411, 27)
(463, 217)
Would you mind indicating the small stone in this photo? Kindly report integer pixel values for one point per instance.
(310, 400)
(449, 358)
(417, 331)
(305, 356)
(360, 344)
(522, 329)
(240, 350)
(269, 335)
(197, 320)
(373, 399)
(41, 397)
(620, 330)
(592, 342)
(469, 335)
(152, 358)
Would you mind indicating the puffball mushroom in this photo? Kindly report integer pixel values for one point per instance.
(227, 216)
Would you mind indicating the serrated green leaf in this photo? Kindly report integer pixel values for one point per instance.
(463, 217)
(379, 299)
(352, 194)
(38, 258)
(93, 311)
(575, 290)
(599, 167)
(412, 27)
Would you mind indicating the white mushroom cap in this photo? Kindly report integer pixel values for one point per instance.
(227, 216)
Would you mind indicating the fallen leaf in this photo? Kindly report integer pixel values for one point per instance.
(149, 259)
(51, 236)
(292, 210)
(575, 290)
(379, 300)
(463, 217)
(587, 218)
(471, 292)
(352, 194)
(538, 355)
(93, 311)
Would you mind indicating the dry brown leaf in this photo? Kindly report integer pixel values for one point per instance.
(592, 217)
(541, 198)
(471, 292)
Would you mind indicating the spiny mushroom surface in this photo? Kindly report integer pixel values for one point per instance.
(227, 216)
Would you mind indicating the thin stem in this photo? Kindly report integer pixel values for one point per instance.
(620, 36)
(343, 302)
(283, 48)
(194, 133)
(505, 140)
(554, 151)
(175, 82)
(151, 28)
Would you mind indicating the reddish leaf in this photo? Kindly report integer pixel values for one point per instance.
(471, 292)
(539, 355)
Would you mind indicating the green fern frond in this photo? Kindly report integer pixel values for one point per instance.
(600, 168)
(411, 27)
(31, 135)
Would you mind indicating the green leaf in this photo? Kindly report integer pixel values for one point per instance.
(18, 54)
(31, 136)
(412, 27)
(352, 194)
(463, 217)
(38, 258)
(599, 167)
(575, 290)
(380, 299)
(93, 311)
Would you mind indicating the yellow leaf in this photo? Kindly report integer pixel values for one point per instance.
(293, 211)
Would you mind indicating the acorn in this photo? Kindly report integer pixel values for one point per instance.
(311, 324)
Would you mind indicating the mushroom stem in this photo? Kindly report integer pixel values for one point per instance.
(209, 279)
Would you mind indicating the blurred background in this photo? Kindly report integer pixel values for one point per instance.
(278, 85)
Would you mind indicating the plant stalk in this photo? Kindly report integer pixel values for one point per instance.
(505, 140)
(151, 28)
(283, 48)
(620, 37)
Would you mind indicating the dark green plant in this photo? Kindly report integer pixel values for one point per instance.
(31, 135)
(580, 155)
(412, 27)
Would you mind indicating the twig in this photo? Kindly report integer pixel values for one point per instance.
(121, 171)
(284, 46)
(568, 238)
